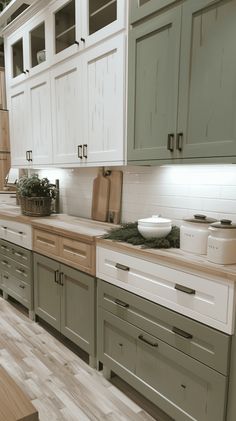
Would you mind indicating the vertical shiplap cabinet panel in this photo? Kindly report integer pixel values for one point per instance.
(153, 86)
(67, 104)
(40, 117)
(104, 96)
(19, 124)
(207, 101)
(138, 9)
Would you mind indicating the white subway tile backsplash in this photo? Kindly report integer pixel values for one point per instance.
(175, 192)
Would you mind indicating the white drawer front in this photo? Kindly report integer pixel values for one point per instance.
(208, 301)
(16, 232)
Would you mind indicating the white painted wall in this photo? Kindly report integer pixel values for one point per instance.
(172, 191)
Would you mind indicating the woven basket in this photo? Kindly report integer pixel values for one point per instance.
(35, 206)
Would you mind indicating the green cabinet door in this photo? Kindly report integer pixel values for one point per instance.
(139, 9)
(207, 89)
(47, 291)
(78, 308)
(153, 87)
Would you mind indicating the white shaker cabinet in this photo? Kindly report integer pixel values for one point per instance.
(67, 104)
(30, 122)
(104, 101)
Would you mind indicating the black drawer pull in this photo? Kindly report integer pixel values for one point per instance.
(122, 267)
(17, 254)
(182, 333)
(182, 288)
(153, 344)
(61, 279)
(21, 271)
(5, 276)
(56, 276)
(4, 247)
(5, 262)
(22, 286)
(170, 142)
(121, 303)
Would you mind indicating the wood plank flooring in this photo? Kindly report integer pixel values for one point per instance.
(59, 383)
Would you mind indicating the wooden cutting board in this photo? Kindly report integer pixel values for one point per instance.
(114, 206)
(100, 200)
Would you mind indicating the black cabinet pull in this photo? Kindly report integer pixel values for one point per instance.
(80, 151)
(82, 39)
(153, 344)
(56, 276)
(30, 156)
(22, 286)
(5, 276)
(182, 333)
(179, 141)
(27, 155)
(85, 150)
(121, 303)
(61, 279)
(170, 142)
(76, 42)
(182, 288)
(122, 267)
(5, 228)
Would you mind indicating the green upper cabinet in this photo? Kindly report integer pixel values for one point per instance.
(139, 9)
(182, 84)
(207, 89)
(153, 86)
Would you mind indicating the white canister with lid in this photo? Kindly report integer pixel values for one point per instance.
(194, 234)
(221, 247)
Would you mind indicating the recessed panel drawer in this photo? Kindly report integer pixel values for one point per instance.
(17, 289)
(44, 242)
(77, 252)
(181, 386)
(201, 342)
(21, 255)
(203, 299)
(16, 233)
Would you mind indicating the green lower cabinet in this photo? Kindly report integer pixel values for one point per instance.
(65, 298)
(184, 388)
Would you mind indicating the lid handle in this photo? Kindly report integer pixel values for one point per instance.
(226, 221)
(199, 216)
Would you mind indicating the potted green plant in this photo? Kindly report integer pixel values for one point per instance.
(35, 195)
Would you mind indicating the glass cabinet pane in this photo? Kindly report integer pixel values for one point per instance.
(101, 14)
(65, 27)
(142, 2)
(17, 58)
(37, 42)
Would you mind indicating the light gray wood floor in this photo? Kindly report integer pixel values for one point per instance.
(59, 383)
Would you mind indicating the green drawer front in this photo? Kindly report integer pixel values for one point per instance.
(17, 289)
(19, 254)
(6, 264)
(181, 386)
(5, 248)
(193, 338)
(21, 272)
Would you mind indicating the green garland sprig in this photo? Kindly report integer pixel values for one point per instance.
(128, 232)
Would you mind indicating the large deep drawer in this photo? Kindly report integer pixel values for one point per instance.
(201, 342)
(16, 233)
(210, 301)
(184, 388)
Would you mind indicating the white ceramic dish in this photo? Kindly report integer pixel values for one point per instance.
(154, 227)
(41, 56)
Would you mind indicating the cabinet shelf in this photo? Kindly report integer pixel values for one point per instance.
(100, 9)
(71, 28)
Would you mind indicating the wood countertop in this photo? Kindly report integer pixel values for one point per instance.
(174, 258)
(88, 230)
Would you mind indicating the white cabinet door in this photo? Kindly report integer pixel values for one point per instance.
(66, 97)
(19, 124)
(16, 58)
(104, 101)
(39, 104)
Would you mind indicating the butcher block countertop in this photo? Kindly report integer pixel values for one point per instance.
(174, 258)
(88, 230)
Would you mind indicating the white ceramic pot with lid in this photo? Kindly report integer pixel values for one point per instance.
(221, 247)
(194, 234)
(154, 227)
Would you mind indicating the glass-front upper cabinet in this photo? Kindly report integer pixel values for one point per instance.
(27, 50)
(139, 9)
(80, 23)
